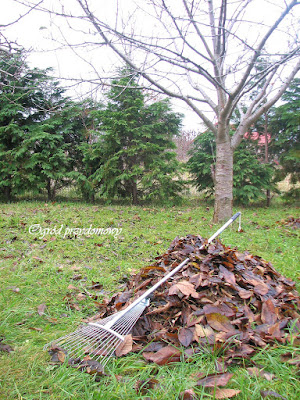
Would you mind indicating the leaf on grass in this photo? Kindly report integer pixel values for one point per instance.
(58, 356)
(254, 371)
(77, 277)
(6, 348)
(224, 393)
(41, 309)
(188, 394)
(219, 322)
(271, 394)
(166, 355)
(92, 367)
(52, 320)
(72, 287)
(36, 329)
(213, 380)
(125, 347)
(38, 259)
(142, 386)
(81, 296)
(291, 358)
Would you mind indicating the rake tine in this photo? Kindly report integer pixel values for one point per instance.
(93, 337)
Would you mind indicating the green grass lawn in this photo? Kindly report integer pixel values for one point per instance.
(36, 270)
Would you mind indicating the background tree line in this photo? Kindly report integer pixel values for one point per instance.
(125, 147)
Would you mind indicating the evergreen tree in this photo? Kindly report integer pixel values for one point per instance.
(250, 178)
(39, 130)
(137, 146)
(285, 144)
(89, 151)
(17, 97)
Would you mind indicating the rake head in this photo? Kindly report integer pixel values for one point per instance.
(100, 339)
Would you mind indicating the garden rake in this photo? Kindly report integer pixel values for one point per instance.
(101, 339)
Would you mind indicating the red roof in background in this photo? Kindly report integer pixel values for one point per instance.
(261, 139)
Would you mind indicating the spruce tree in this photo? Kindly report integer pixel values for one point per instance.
(137, 146)
(39, 129)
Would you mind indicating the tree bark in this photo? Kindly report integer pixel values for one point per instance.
(51, 190)
(268, 193)
(134, 193)
(223, 181)
(7, 193)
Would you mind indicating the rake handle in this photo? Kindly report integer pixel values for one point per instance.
(166, 277)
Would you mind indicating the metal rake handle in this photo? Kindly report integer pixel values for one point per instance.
(166, 277)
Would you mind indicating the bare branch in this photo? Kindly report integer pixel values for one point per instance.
(248, 120)
(33, 7)
(260, 47)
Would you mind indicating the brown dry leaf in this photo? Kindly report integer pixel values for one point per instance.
(261, 289)
(188, 394)
(185, 336)
(166, 355)
(38, 259)
(224, 393)
(36, 329)
(268, 312)
(81, 296)
(125, 347)
(228, 276)
(161, 309)
(203, 331)
(75, 268)
(254, 371)
(41, 309)
(244, 294)
(142, 386)
(92, 367)
(5, 347)
(61, 356)
(77, 277)
(72, 287)
(291, 358)
(52, 320)
(219, 322)
(185, 287)
(286, 356)
(271, 395)
(213, 380)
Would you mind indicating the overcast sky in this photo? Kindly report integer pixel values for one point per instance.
(37, 30)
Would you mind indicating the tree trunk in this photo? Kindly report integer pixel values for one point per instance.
(268, 193)
(134, 193)
(7, 193)
(223, 181)
(51, 190)
(92, 198)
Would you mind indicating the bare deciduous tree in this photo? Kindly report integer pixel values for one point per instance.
(205, 53)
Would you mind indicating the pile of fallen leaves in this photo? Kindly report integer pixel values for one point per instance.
(291, 222)
(222, 299)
